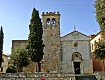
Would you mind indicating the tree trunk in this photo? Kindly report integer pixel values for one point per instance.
(103, 66)
(38, 69)
(0, 55)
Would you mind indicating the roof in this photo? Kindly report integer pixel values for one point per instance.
(94, 35)
(5, 55)
(73, 32)
(75, 35)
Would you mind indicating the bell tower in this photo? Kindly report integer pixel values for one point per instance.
(51, 38)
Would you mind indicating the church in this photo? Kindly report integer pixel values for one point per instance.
(68, 54)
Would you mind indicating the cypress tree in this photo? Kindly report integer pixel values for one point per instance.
(35, 43)
(1, 44)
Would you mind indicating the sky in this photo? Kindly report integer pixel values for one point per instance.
(15, 17)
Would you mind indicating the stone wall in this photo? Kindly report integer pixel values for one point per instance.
(4, 63)
(51, 39)
(18, 44)
(37, 76)
(100, 75)
(21, 44)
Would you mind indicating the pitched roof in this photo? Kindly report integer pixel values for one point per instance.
(73, 32)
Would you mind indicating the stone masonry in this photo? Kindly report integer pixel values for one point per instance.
(68, 54)
(51, 38)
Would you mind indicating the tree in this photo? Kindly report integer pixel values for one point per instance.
(100, 14)
(35, 43)
(100, 51)
(1, 44)
(11, 69)
(19, 58)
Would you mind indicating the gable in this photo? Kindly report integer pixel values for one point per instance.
(75, 35)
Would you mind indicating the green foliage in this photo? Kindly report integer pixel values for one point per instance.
(100, 14)
(11, 69)
(35, 43)
(17, 50)
(1, 44)
(19, 57)
(1, 36)
(100, 50)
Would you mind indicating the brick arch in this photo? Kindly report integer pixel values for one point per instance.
(76, 56)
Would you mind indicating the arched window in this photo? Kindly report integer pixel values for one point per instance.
(48, 22)
(53, 21)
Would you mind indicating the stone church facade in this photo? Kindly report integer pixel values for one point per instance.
(68, 54)
(76, 54)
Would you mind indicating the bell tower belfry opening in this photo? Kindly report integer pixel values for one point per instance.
(51, 19)
(51, 39)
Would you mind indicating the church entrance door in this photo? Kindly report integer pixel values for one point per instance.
(77, 67)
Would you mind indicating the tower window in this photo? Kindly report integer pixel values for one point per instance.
(53, 21)
(48, 21)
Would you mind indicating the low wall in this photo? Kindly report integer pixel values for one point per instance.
(46, 76)
(36, 76)
(100, 75)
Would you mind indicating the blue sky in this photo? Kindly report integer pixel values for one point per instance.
(15, 17)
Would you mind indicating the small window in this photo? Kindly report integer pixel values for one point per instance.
(92, 46)
(99, 39)
(53, 21)
(48, 21)
(1, 69)
(95, 43)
